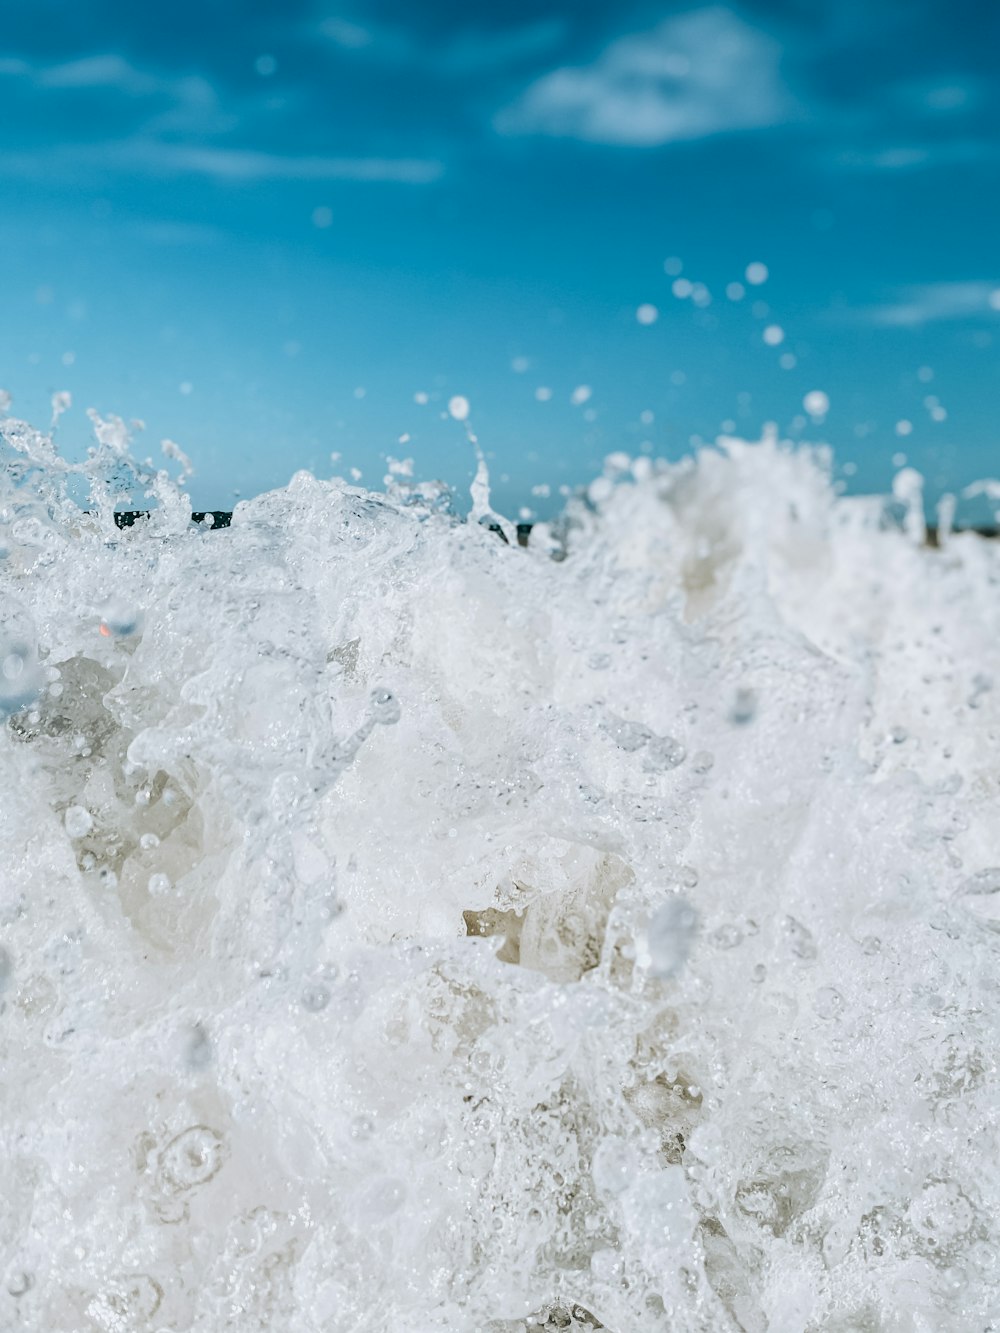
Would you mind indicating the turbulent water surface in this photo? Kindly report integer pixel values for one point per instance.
(406, 931)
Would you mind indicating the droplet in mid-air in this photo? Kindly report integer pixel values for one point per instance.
(120, 618)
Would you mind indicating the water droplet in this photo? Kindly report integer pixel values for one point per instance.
(385, 708)
(148, 841)
(77, 821)
(159, 884)
(702, 761)
(628, 736)
(816, 403)
(670, 936)
(120, 618)
(663, 753)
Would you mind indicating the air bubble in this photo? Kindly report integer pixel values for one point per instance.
(191, 1159)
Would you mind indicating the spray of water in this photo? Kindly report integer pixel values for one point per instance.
(404, 930)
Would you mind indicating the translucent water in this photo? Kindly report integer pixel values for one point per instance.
(405, 931)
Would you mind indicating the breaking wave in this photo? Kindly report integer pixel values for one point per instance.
(405, 930)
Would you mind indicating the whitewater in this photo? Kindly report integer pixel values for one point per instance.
(404, 930)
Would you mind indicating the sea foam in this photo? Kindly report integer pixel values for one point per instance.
(404, 930)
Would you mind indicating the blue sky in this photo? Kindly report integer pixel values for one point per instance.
(282, 230)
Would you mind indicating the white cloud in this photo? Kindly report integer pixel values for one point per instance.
(697, 74)
(107, 71)
(151, 157)
(933, 303)
(909, 157)
(238, 164)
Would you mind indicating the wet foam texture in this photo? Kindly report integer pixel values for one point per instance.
(405, 931)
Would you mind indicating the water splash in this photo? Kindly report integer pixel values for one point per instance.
(402, 929)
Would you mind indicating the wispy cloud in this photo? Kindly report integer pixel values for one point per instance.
(694, 75)
(99, 71)
(152, 157)
(173, 127)
(931, 303)
(239, 164)
(910, 157)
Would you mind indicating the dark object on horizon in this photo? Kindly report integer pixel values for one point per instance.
(221, 518)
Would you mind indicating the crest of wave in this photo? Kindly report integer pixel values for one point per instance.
(404, 930)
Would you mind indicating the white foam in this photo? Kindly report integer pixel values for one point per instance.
(405, 930)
